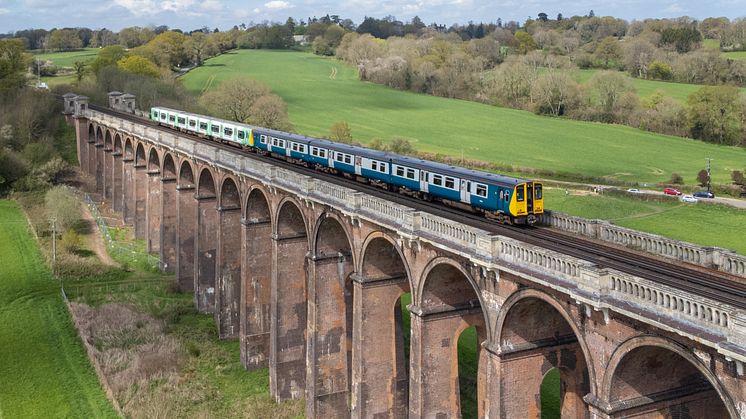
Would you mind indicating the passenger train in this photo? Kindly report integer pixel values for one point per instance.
(507, 199)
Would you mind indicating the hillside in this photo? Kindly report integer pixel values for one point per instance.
(317, 98)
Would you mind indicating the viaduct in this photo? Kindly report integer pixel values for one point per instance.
(309, 275)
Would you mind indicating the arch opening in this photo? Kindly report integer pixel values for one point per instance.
(535, 338)
(169, 167)
(657, 381)
(228, 284)
(154, 163)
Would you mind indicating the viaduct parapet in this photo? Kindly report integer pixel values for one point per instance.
(309, 275)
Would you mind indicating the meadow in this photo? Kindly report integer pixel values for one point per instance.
(317, 97)
(67, 58)
(700, 223)
(645, 88)
(44, 370)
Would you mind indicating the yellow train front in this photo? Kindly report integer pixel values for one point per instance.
(526, 203)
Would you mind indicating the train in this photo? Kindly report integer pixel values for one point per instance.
(507, 199)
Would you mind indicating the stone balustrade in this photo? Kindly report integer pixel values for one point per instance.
(710, 257)
(586, 283)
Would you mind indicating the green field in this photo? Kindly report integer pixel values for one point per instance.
(68, 58)
(44, 369)
(735, 55)
(701, 223)
(461, 128)
(645, 88)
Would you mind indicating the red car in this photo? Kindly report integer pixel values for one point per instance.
(671, 191)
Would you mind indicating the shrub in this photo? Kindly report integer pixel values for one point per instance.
(676, 179)
(340, 131)
(71, 241)
(62, 205)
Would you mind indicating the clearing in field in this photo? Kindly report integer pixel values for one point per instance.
(44, 370)
(68, 58)
(461, 128)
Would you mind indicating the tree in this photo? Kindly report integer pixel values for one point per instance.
(64, 39)
(543, 17)
(270, 111)
(658, 70)
(608, 50)
(714, 115)
(609, 87)
(638, 53)
(165, 50)
(13, 64)
(234, 98)
(340, 131)
(108, 56)
(676, 179)
(683, 39)
(62, 205)
(553, 91)
(703, 178)
(200, 46)
(80, 68)
(524, 42)
(136, 64)
(738, 177)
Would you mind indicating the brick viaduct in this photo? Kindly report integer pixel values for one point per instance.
(308, 275)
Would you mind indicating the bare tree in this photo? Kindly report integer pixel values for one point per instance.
(270, 111)
(234, 98)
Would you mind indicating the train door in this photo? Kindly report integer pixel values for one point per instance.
(465, 191)
(530, 197)
(424, 178)
(358, 165)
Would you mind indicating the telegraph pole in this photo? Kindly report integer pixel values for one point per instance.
(709, 161)
(53, 220)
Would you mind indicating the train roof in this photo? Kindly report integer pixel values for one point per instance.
(441, 168)
(460, 172)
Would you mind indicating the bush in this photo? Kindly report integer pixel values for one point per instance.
(340, 131)
(62, 205)
(71, 241)
(676, 179)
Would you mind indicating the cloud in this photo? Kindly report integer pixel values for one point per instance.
(674, 8)
(277, 5)
(4, 11)
(137, 7)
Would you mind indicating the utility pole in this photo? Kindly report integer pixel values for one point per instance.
(53, 220)
(709, 160)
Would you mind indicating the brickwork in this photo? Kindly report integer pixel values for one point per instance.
(108, 167)
(310, 282)
(117, 194)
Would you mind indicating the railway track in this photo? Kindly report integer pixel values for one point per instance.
(704, 282)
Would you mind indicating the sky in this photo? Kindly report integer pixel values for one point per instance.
(194, 14)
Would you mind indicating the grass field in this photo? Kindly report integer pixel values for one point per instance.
(735, 55)
(316, 100)
(44, 370)
(701, 223)
(68, 58)
(645, 88)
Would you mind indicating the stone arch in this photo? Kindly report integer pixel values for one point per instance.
(99, 135)
(228, 277)
(129, 150)
(97, 164)
(154, 161)
(118, 143)
(289, 304)
(206, 184)
(447, 303)
(169, 166)
(108, 168)
(186, 174)
(256, 279)
(108, 141)
(140, 156)
(117, 185)
(622, 383)
(535, 333)
(382, 368)
(207, 241)
(91, 132)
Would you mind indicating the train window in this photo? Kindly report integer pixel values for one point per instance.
(374, 165)
(192, 123)
(182, 121)
(382, 167)
(241, 135)
(507, 196)
(203, 126)
(228, 132)
(399, 171)
(410, 173)
(340, 157)
(322, 153)
(482, 190)
(519, 193)
(450, 183)
(302, 148)
(155, 113)
(263, 139)
(216, 128)
(438, 180)
(172, 118)
(348, 159)
(294, 146)
(164, 116)
(537, 190)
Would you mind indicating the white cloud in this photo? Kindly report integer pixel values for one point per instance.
(277, 5)
(4, 11)
(137, 7)
(674, 8)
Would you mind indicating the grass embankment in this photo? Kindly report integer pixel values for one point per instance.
(44, 370)
(316, 100)
(700, 223)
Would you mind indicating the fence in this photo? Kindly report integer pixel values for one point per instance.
(122, 252)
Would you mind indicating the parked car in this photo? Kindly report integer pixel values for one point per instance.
(704, 194)
(633, 190)
(671, 191)
(689, 199)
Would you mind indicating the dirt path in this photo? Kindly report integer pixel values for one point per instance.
(95, 240)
